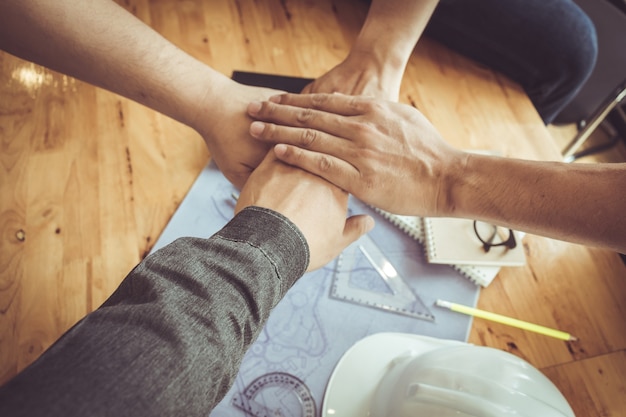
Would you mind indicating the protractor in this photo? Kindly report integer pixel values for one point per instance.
(277, 394)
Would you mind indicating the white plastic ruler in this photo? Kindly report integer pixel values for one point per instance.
(365, 276)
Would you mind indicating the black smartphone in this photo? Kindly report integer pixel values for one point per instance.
(278, 82)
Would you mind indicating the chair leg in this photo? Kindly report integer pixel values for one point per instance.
(593, 123)
(597, 149)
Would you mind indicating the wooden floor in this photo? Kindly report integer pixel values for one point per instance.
(88, 180)
(563, 134)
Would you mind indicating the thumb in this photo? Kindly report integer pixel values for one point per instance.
(357, 226)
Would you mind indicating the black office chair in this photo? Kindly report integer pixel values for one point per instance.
(602, 100)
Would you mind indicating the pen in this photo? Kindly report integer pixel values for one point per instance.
(505, 320)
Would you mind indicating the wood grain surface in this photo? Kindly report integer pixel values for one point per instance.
(88, 180)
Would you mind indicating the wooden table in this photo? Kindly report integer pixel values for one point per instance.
(88, 180)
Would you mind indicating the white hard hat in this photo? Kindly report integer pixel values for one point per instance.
(404, 375)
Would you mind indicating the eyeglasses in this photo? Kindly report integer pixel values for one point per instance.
(491, 235)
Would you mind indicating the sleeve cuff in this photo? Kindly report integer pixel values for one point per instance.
(275, 235)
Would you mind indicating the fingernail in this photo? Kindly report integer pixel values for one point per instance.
(275, 99)
(256, 129)
(254, 107)
(280, 149)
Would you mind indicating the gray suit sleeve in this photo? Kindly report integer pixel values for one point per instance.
(170, 339)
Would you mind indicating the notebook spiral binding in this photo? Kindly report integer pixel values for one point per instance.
(414, 227)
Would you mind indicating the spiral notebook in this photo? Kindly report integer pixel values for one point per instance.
(454, 241)
(413, 226)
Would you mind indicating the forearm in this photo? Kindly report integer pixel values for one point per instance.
(390, 156)
(580, 203)
(170, 340)
(392, 28)
(99, 42)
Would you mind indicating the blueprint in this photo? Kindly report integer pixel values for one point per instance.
(286, 370)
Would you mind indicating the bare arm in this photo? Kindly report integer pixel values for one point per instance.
(379, 56)
(99, 42)
(388, 155)
(582, 203)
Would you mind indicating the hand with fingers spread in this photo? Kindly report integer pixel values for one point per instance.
(386, 154)
(314, 205)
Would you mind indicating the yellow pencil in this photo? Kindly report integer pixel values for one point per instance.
(505, 320)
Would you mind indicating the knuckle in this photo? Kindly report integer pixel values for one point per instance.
(293, 155)
(363, 228)
(267, 109)
(363, 130)
(269, 132)
(308, 137)
(305, 115)
(369, 185)
(374, 108)
(355, 103)
(324, 163)
(362, 104)
(369, 182)
(319, 100)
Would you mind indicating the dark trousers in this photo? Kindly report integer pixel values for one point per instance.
(549, 47)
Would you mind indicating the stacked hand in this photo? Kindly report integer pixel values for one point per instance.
(360, 74)
(386, 154)
(318, 208)
(224, 128)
